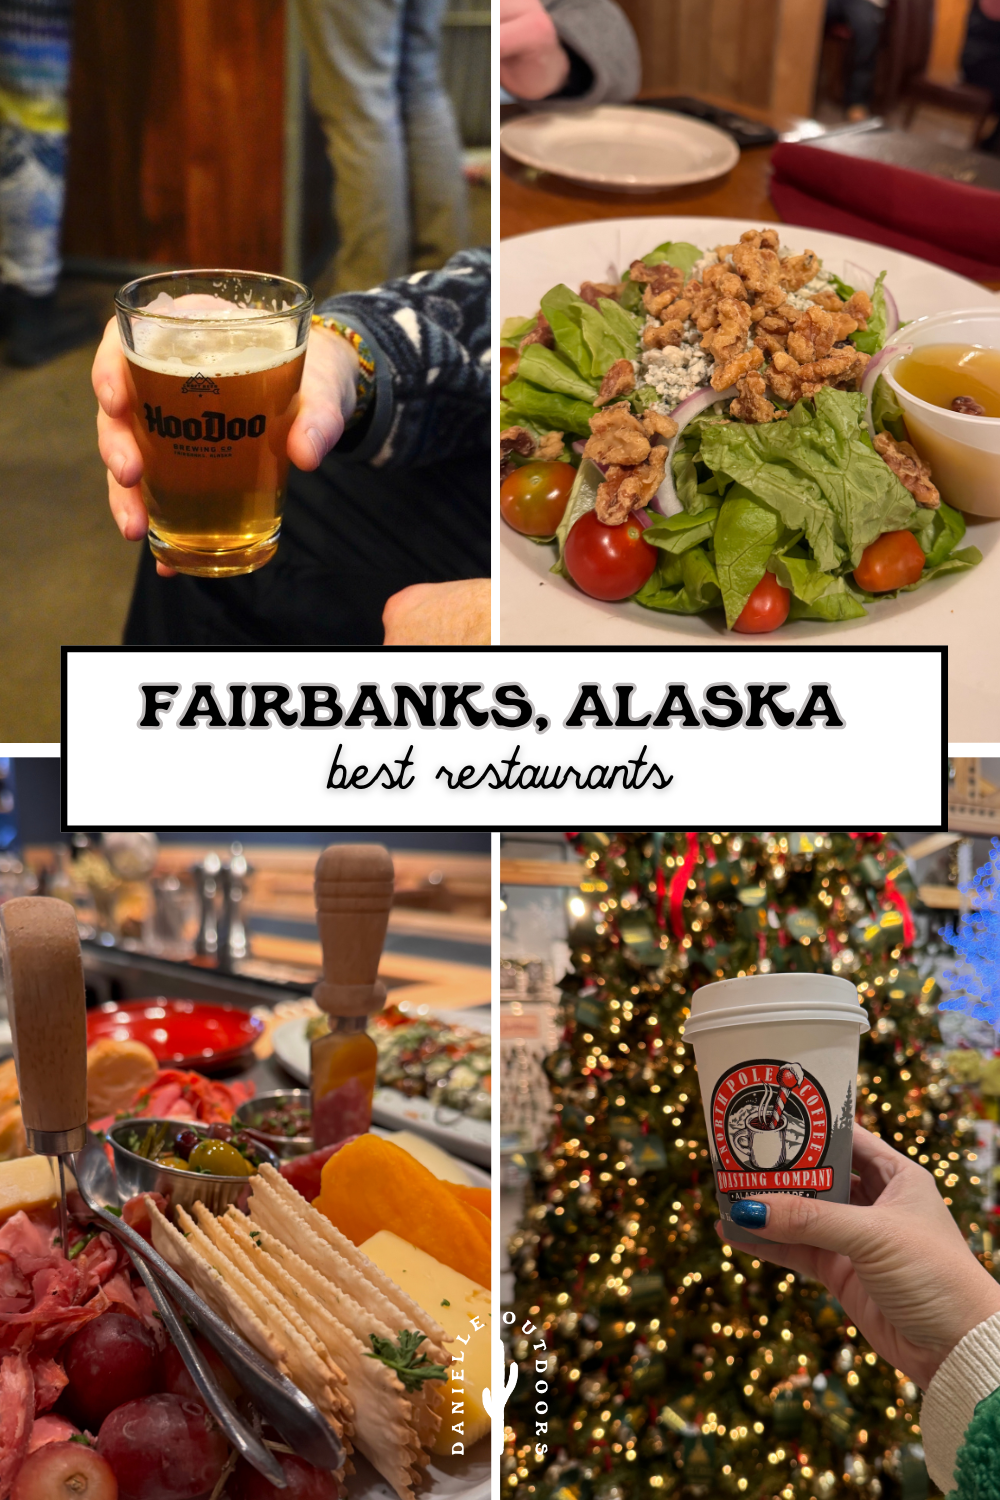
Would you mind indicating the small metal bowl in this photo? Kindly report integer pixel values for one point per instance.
(137, 1174)
(284, 1146)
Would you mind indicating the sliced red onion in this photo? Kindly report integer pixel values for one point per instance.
(875, 367)
(579, 445)
(666, 500)
(857, 276)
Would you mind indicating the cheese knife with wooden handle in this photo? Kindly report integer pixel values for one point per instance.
(46, 1000)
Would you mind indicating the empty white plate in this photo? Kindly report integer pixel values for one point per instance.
(621, 149)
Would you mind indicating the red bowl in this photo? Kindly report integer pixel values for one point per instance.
(179, 1033)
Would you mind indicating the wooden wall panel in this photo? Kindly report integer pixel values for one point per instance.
(176, 142)
(762, 53)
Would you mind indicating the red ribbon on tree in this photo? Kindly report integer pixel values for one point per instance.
(678, 885)
(661, 892)
(895, 897)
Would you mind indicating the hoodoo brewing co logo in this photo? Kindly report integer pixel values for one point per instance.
(211, 426)
(770, 1130)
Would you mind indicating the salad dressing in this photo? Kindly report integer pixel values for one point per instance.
(940, 373)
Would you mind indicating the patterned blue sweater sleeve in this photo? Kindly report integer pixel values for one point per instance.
(430, 336)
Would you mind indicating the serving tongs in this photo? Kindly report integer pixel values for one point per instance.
(281, 1403)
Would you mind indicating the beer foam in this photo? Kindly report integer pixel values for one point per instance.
(238, 347)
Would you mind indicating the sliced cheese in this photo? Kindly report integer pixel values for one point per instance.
(444, 1167)
(29, 1183)
(463, 1310)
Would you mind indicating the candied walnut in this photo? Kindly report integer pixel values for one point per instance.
(517, 440)
(812, 336)
(969, 406)
(681, 309)
(728, 374)
(796, 270)
(760, 239)
(654, 301)
(769, 342)
(659, 336)
(713, 275)
(751, 403)
(609, 508)
(843, 326)
(658, 424)
(773, 323)
(782, 360)
(641, 483)
(859, 306)
(540, 334)
(619, 380)
(841, 368)
(730, 337)
(758, 268)
(724, 251)
(550, 445)
(909, 468)
(593, 291)
(767, 302)
(616, 437)
(732, 286)
(828, 298)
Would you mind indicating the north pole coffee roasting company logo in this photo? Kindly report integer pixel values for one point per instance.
(771, 1129)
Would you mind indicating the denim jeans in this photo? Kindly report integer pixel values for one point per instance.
(399, 193)
(865, 19)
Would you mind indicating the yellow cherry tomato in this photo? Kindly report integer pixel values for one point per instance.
(220, 1158)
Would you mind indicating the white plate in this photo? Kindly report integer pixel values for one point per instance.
(469, 1139)
(621, 149)
(465, 1478)
(532, 607)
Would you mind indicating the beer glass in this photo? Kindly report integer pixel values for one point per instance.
(214, 361)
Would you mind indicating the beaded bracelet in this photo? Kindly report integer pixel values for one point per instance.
(366, 362)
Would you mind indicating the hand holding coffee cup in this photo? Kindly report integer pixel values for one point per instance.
(893, 1257)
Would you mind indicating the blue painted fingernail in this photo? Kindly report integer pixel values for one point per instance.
(748, 1214)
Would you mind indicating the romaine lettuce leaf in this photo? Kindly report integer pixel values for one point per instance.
(625, 325)
(947, 528)
(871, 339)
(818, 471)
(686, 585)
(582, 497)
(746, 534)
(677, 533)
(550, 370)
(887, 414)
(802, 575)
(676, 253)
(549, 409)
(838, 602)
(583, 335)
(513, 330)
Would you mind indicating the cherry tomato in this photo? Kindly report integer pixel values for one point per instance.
(893, 560)
(109, 1361)
(608, 562)
(533, 498)
(65, 1471)
(508, 362)
(766, 609)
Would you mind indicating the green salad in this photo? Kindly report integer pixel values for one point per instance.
(713, 433)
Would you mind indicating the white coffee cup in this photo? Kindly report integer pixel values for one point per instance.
(777, 1059)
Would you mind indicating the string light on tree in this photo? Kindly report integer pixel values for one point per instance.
(683, 1367)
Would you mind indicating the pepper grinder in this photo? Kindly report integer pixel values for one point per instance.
(235, 879)
(206, 879)
(43, 975)
(354, 888)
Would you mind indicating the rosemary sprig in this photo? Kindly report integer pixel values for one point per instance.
(402, 1358)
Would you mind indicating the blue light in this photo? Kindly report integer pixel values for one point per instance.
(975, 986)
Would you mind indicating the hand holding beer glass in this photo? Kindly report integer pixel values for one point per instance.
(209, 383)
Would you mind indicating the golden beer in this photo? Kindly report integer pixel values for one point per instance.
(214, 368)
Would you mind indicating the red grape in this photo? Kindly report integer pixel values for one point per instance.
(220, 1131)
(65, 1471)
(109, 1361)
(174, 1375)
(163, 1447)
(185, 1142)
(304, 1482)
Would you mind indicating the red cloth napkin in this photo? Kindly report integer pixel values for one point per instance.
(952, 224)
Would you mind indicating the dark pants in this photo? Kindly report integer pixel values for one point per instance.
(981, 66)
(865, 20)
(351, 535)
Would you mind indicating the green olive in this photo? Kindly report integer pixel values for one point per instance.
(220, 1158)
(177, 1162)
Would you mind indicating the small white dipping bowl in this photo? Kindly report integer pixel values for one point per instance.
(963, 451)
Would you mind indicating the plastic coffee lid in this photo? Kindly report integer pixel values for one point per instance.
(760, 998)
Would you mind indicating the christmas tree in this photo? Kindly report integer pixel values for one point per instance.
(672, 1364)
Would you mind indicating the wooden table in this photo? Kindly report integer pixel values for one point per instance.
(539, 200)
